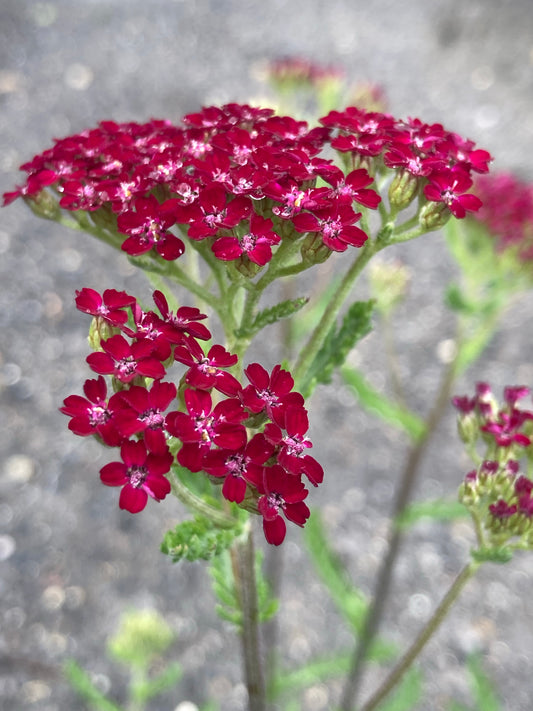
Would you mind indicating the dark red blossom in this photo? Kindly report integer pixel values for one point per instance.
(335, 225)
(148, 228)
(184, 321)
(126, 361)
(212, 212)
(281, 494)
(269, 392)
(94, 414)
(206, 426)
(141, 474)
(108, 307)
(144, 410)
(207, 371)
(449, 187)
(256, 244)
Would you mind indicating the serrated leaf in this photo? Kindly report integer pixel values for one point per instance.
(273, 314)
(356, 324)
(379, 405)
(198, 539)
(438, 510)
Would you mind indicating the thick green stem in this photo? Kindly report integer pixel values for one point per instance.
(243, 559)
(423, 638)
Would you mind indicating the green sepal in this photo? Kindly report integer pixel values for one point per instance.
(492, 555)
(271, 315)
(199, 538)
(356, 324)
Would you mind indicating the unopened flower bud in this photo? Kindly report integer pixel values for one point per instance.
(246, 267)
(43, 204)
(100, 330)
(313, 250)
(403, 189)
(434, 215)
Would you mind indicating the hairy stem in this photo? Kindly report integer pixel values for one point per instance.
(243, 559)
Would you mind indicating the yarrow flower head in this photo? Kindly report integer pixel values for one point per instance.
(252, 440)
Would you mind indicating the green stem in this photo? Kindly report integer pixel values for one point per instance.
(310, 350)
(384, 578)
(198, 505)
(429, 630)
(243, 560)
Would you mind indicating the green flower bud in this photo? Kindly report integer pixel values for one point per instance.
(403, 189)
(313, 249)
(44, 204)
(434, 215)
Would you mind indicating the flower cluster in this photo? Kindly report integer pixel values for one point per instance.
(422, 154)
(507, 212)
(244, 179)
(252, 439)
(496, 493)
(298, 71)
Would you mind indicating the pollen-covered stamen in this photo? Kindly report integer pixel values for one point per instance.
(98, 415)
(275, 501)
(153, 418)
(126, 367)
(137, 476)
(236, 464)
(331, 229)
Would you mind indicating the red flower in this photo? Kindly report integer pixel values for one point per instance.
(147, 228)
(205, 371)
(256, 243)
(107, 307)
(126, 362)
(449, 187)
(269, 392)
(141, 474)
(205, 426)
(281, 493)
(212, 212)
(145, 412)
(335, 225)
(94, 415)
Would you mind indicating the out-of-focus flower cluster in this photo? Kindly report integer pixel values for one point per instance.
(245, 179)
(252, 439)
(507, 212)
(498, 496)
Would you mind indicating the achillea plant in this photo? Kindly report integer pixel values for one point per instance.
(224, 204)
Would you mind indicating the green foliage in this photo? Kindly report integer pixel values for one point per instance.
(322, 669)
(492, 555)
(81, 682)
(349, 600)
(483, 689)
(273, 314)
(146, 689)
(356, 324)
(406, 695)
(142, 635)
(229, 607)
(198, 538)
(379, 405)
(438, 510)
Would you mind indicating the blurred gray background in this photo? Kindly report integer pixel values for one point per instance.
(70, 561)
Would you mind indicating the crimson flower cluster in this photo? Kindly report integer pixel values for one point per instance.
(497, 494)
(441, 159)
(243, 178)
(507, 211)
(262, 471)
(505, 429)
